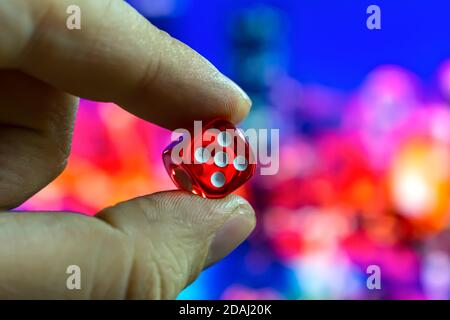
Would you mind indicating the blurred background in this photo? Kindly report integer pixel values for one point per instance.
(364, 119)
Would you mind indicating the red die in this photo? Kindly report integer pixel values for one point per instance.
(213, 163)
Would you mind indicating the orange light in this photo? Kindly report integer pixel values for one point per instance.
(420, 184)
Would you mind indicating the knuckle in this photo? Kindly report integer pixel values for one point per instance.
(151, 72)
(166, 274)
(38, 17)
(175, 265)
(117, 263)
(161, 56)
(169, 252)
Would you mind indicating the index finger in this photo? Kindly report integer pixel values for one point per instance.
(116, 56)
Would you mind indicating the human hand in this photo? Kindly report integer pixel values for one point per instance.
(146, 248)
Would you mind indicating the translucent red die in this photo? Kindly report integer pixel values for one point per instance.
(212, 161)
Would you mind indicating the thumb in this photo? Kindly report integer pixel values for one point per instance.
(175, 235)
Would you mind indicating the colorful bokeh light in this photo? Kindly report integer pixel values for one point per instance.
(364, 180)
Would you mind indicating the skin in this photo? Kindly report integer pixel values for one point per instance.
(145, 248)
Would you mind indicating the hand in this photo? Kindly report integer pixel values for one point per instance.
(145, 248)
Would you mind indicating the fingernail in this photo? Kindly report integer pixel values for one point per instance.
(246, 101)
(232, 233)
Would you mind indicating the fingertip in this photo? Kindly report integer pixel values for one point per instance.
(192, 209)
(230, 235)
(241, 102)
(177, 206)
(228, 221)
